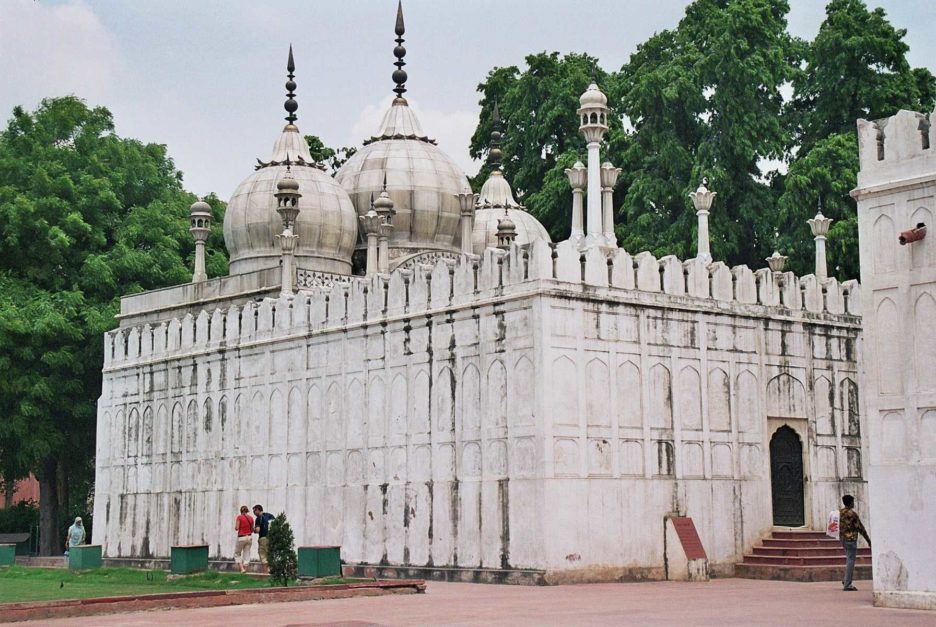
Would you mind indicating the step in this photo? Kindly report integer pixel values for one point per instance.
(826, 543)
(799, 573)
(821, 560)
(836, 551)
(800, 535)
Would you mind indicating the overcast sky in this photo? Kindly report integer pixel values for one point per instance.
(206, 78)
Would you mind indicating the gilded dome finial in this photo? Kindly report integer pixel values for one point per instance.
(291, 105)
(399, 74)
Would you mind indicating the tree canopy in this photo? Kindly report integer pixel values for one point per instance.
(712, 98)
(85, 217)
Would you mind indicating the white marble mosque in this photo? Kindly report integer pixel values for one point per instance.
(418, 374)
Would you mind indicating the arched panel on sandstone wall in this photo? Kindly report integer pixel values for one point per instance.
(924, 342)
(398, 407)
(355, 414)
(851, 420)
(257, 422)
(206, 435)
(824, 396)
(445, 401)
(471, 399)
(661, 397)
(889, 360)
(147, 432)
(296, 436)
(224, 423)
(564, 392)
(419, 416)
(175, 443)
(161, 430)
(786, 397)
(719, 400)
(191, 426)
(597, 393)
(278, 424)
(883, 244)
(523, 389)
(496, 413)
(334, 419)
(749, 411)
(928, 434)
(629, 395)
(133, 433)
(376, 411)
(690, 398)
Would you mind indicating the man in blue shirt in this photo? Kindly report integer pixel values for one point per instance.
(262, 522)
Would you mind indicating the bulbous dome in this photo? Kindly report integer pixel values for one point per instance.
(592, 97)
(326, 224)
(486, 220)
(421, 179)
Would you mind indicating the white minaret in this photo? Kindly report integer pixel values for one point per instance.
(200, 215)
(820, 228)
(287, 206)
(702, 199)
(383, 206)
(593, 124)
(609, 175)
(370, 226)
(577, 179)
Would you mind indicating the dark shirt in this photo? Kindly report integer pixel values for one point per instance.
(262, 523)
(850, 525)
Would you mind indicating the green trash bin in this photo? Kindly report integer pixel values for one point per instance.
(84, 556)
(319, 561)
(186, 559)
(7, 554)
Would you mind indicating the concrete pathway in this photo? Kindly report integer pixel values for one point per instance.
(723, 602)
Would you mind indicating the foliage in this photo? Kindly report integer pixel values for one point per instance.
(19, 518)
(540, 129)
(19, 583)
(706, 99)
(85, 217)
(331, 158)
(284, 565)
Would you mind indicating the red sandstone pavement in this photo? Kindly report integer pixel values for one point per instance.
(722, 602)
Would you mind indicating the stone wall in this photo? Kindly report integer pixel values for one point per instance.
(896, 191)
(529, 409)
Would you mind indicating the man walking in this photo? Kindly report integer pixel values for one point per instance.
(262, 529)
(849, 528)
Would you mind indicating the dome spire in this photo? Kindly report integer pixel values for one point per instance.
(291, 105)
(494, 151)
(399, 74)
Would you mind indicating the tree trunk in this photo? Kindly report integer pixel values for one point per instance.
(51, 534)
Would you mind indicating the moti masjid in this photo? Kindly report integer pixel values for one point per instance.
(418, 374)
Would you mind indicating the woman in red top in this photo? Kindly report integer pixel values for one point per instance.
(243, 525)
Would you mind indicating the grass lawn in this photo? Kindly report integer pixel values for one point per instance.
(20, 584)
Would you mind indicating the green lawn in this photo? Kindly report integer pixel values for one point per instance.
(20, 584)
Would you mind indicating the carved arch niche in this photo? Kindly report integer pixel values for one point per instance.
(786, 397)
(564, 391)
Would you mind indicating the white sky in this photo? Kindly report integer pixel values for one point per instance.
(206, 78)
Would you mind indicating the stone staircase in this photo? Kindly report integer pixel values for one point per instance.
(793, 555)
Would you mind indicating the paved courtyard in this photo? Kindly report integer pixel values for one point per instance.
(722, 602)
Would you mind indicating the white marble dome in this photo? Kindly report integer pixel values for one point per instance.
(496, 202)
(326, 224)
(593, 97)
(421, 179)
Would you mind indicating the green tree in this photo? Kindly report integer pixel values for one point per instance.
(855, 68)
(282, 552)
(705, 100)
(331, 158)
(541, 137)
(85, 217)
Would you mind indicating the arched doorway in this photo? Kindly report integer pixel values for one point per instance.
(786, 478)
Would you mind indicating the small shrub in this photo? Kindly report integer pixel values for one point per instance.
(20, 518)
(284, 565)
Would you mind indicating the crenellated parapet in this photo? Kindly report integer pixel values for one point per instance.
(472, 280)
(898, 149)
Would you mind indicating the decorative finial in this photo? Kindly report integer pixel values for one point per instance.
(399, 74)
(291, 105)
(494, 152)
